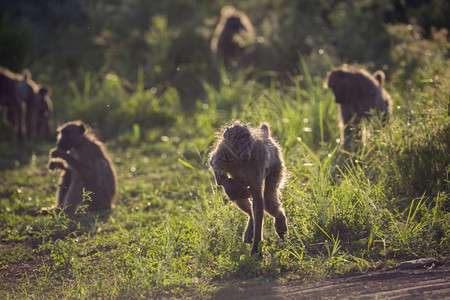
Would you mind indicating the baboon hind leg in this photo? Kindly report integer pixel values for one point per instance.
(272, 203)
(30, 125)
(15, 118)
(74, 195)
(63, 187)
(258, 214)
(246, 207)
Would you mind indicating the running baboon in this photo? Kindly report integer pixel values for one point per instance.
(85, 164)
(14, 93)
(232, 37)
(246, 157)
(357, 92)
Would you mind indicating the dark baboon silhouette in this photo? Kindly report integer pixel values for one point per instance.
(248, 157)
(28, 106)
(232, 37)
(357, 92)
(39, 113)
(85, 164)
(14, 93)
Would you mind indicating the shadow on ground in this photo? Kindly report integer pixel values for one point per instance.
(431, 282)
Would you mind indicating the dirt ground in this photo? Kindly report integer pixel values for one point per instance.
(408, 282)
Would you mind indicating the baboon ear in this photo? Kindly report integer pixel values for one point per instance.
(82, 129)
(226, 133)
(26, 75)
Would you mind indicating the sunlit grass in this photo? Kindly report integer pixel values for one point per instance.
(174, 232)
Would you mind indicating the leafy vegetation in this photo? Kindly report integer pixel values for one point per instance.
(173, 232)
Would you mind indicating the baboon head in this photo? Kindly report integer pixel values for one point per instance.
(339, 82)
(44, 92)
(234, 25)
(71, 135)
(240, 140)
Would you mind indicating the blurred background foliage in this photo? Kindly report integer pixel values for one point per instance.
(77, 47)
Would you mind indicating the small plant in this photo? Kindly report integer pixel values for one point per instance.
(82, 208)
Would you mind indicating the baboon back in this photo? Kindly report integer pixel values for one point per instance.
(358, 93)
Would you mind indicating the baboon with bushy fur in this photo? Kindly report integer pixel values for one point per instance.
(28, 107)
(14, 93)
(39, 108)
(85, 164)
(242, 159)
(232, 37)
(357, 92)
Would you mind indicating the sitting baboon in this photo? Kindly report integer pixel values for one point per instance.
(232, 37)
(246, 157)
(86, 165)
(358, 93)
(14, 93)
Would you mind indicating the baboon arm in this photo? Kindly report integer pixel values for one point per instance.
(258, 214)
(219, 174)
(220, 177)
(348, 113)
(55, 164)
(64, 185)
(85, 170)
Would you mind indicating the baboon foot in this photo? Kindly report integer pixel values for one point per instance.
(281, 225)
(248, 235)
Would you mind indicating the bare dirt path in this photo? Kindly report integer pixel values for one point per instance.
(399, 283)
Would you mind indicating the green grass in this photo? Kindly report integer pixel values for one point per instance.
(174, 233)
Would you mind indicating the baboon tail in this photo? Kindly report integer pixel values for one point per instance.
(379, 76)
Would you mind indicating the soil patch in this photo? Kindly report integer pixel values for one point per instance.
(399, 283)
